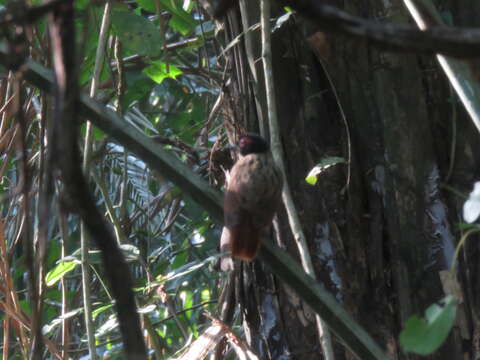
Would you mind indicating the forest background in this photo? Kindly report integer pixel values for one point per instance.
(115, 121)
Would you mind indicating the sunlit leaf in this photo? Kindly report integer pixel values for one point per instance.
(205, 295)
(59, 271)
(100, 310)
(323, 165)
(159, 71)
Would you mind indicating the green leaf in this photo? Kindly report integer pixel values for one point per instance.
(323, 165)
(100, 310)
(465, 226)
(97, 133)
(312, 180)
(159, 71)
(137, 34)
(425, 335)
(59, 271)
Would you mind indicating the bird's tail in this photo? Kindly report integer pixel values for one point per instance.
(245, 242)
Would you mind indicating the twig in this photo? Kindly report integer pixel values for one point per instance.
(62, 224)
(251, 64)
(117, 227)
(277, 152)
(84, 238)
(122, 205)
(36, 347)
(453, 145)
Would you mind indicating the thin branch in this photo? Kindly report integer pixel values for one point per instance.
(278, 156)
(87, 150)
(117, 227)
(251, 64)
(117, 53)
(64, 243)
(37, 345)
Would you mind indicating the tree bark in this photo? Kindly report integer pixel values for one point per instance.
(380, 242)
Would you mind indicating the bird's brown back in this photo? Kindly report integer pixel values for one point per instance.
(252, 197)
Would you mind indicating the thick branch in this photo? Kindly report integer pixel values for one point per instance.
(459, 42)
(439, 39)
(453, 41)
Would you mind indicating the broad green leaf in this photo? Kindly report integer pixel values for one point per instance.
(425, 335)
(59, 271)
(321, 167)
(137, 34)
(159, 71)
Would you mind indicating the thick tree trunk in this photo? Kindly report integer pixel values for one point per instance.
(382, 228)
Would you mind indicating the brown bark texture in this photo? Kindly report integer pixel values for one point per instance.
(381, 228)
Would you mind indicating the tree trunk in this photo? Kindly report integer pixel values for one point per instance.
(381, 228)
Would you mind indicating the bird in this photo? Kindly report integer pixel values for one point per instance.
(252, 196)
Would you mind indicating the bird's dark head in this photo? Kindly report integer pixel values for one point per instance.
(252, 144)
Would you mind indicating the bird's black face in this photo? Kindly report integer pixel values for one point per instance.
(252, 144)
